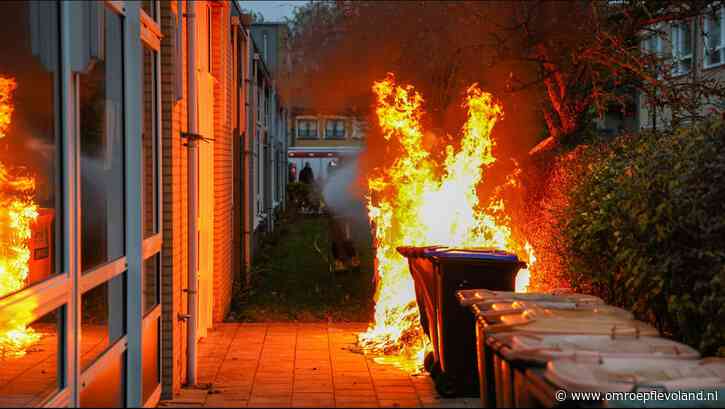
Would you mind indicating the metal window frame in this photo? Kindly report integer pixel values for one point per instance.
(151, 35)
(64, 289)
(706, 30)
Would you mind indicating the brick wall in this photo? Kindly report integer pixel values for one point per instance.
(223, 160)
(175, 210)
(174, 256)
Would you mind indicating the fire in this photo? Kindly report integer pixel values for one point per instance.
(18, 212)
(418, 202)
(524, 276)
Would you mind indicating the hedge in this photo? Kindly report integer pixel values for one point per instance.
(644, 228)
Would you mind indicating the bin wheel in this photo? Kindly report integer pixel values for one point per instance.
(445, 385)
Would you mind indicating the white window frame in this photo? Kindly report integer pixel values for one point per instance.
(316, 121)
(344, 128)
(706, 31)
(678, 68)
(657, 39)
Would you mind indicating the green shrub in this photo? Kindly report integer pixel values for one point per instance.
(645, 229)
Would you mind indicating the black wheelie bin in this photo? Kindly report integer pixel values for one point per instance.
(438, 273)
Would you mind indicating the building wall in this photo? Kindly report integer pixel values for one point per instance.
(354, 133)
(223, 160)
(175, 200)
(175, 203)
(175, 186)
(663, 117)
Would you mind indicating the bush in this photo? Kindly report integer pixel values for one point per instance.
(547, 183)
(645, 229)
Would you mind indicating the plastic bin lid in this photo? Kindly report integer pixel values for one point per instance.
(609, 374)
(544, 348)
(479, 296)
(593, 313)
(470, 253)
(613, 324)
(490, 254)
(547, 309)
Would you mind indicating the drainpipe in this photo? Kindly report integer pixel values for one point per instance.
(247, 162)
(193, 167)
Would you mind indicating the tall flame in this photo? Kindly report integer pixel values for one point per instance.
(18, 212)
(419, 202)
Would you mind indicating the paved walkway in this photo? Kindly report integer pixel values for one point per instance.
(301, 365)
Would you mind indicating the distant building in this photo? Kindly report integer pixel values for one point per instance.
(322, 139)
(695, 49)
(266, 177)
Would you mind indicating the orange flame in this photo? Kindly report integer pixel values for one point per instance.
(17, 214)
(414, 202)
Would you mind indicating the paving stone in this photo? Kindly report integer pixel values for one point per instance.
(302, 365)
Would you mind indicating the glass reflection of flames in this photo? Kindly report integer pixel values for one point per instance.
(18, 212)
(412, 202)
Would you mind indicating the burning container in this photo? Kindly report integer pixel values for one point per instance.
(438, 272)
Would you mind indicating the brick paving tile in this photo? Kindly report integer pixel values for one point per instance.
(301, 365)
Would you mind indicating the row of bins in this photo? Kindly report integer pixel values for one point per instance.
(518, 349)
(530, 346)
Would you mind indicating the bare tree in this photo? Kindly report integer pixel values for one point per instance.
(558, 63)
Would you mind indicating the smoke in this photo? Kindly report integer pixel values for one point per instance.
(341, 194)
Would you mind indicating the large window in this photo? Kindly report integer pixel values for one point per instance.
(335, 129)
(30, 194)
(681, 48)
(150, 144)
(102, 152)
(31, 331)
(31, 375)
(103, 321)
(714, 37)
(307, 128)
(80, 233)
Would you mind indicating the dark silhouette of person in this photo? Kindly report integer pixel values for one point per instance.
(306, 175)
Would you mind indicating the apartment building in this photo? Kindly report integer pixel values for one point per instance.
(694, 49)
(269, 130)
(125, 156)
(323, 140)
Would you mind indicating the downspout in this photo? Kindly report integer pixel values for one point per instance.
(247, 163)
(193, 168)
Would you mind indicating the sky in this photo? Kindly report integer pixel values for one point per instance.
(272, 10)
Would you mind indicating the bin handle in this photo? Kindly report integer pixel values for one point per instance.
(614, 332)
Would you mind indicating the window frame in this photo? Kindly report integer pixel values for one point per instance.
(151, 36)
(676, 43)
(308, 130)
(335, 136)
(705, 32)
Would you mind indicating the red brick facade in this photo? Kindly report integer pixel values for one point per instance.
(175, 212)
(175, 185)
(223, 167)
